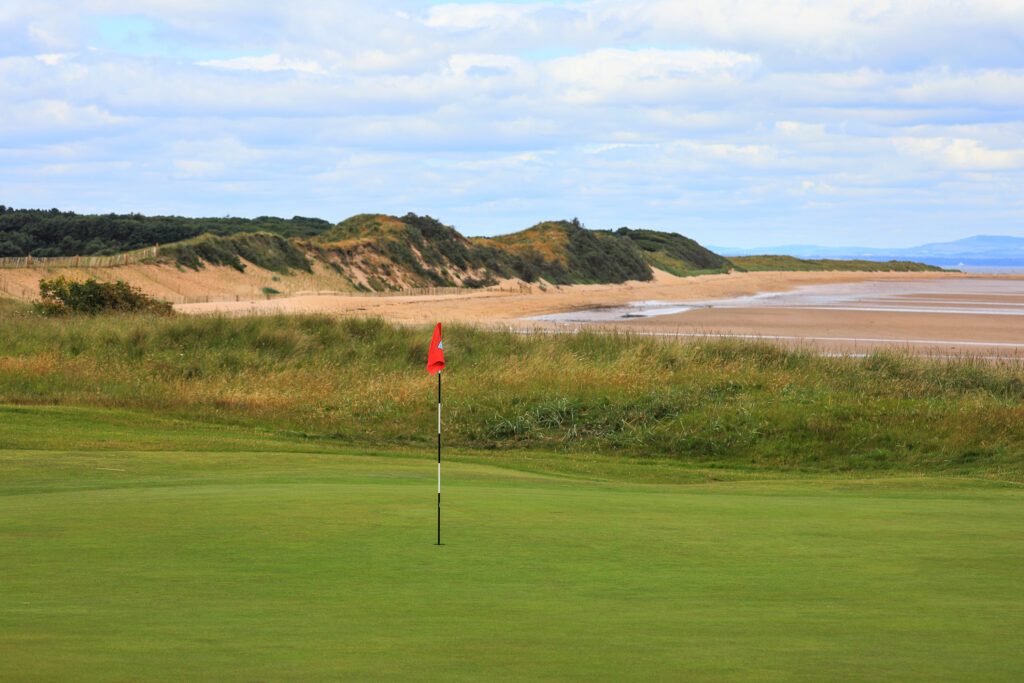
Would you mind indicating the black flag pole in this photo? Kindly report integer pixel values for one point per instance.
(435, 364)
(439, 458)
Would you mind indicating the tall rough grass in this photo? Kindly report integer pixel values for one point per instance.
(715, 402)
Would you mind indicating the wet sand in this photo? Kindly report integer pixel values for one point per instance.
(949, 317)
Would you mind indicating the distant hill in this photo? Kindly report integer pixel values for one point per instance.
(378, 252)
(791, 263)
(979, 250)
(373, 252)
(675, 253)
(565, 252)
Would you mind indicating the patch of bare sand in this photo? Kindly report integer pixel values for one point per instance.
(171, 283)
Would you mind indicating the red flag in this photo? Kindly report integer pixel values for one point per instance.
(435, 357)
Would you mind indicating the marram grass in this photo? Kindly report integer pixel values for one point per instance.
(713, 403)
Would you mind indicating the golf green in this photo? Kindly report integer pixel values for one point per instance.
(270, 565)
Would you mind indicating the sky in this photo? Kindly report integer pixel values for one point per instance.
(739, 123)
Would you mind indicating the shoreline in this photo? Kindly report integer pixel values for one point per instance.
(984, 323)
(511, 308)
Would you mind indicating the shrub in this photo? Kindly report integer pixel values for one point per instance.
(61, 296)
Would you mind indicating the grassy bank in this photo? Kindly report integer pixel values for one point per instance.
(712, 403)
(792, 263)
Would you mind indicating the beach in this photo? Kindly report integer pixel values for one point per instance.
(843, 312)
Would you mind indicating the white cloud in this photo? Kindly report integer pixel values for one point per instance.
(974, 88)
(801, 130)
(670, 113)
(479, 16)
(816, 187)
(743, 155)
(463, 64)
(53, 59)
(52, 118)
(607, 74)
(271, 62)
(783, 32)
(506, 162)
(961, 154)
(192, 168)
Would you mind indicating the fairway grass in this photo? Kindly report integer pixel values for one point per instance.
(136, 547)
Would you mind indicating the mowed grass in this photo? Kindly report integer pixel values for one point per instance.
(136, 546)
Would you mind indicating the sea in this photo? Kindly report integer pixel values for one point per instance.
(989, 270)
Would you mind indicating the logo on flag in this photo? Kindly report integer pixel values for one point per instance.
(435, 357)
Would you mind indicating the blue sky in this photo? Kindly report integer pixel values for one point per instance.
(739, 123)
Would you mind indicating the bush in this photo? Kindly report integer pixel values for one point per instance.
(61, 296)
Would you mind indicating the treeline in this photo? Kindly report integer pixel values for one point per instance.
(65, 233)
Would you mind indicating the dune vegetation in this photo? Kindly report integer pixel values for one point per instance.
(790, 263)
(718, 403)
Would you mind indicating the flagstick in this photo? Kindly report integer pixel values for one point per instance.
(439, 458)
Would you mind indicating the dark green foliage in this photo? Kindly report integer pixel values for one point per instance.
(437, 243)
(206, 249)
(495, 260)
(529, 265)
(65, 233)
(792, 263)
(265, 250)
(420, 245)
(674, 253)
(61, 296)
(400, 252)
(588, 256)
(475, 283)
(429, 249)
(602, 257)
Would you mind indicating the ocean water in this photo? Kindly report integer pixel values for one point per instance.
(989, 270)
